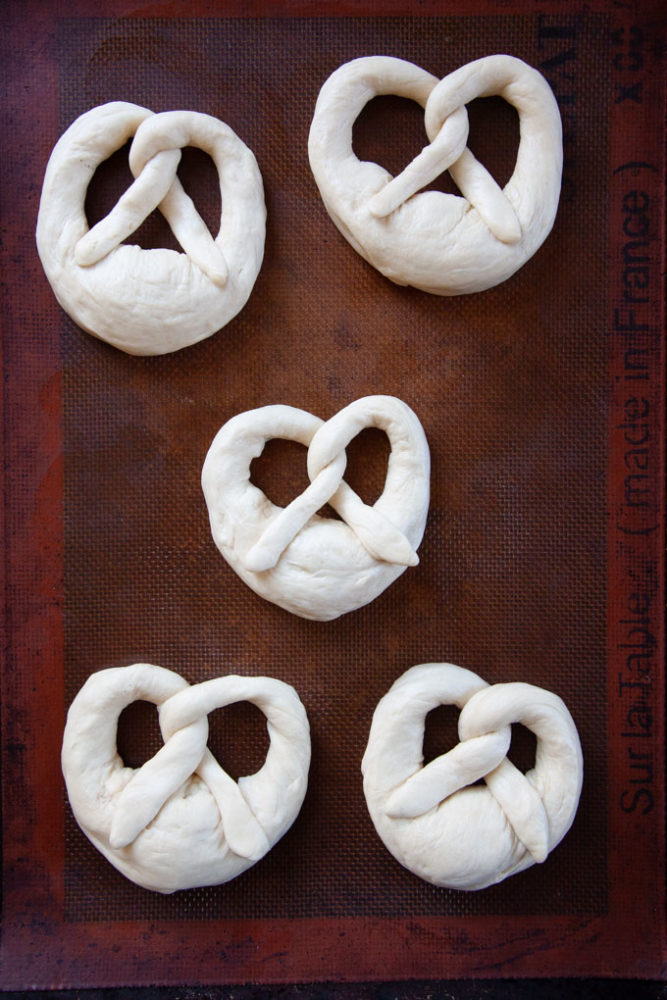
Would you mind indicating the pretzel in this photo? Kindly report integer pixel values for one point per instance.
(441, 243)
(316, 567)
(180, 821)
(150, 301)
(434, 819)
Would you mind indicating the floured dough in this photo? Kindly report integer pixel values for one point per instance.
(441, 243)
(435, 820)
(313, 566)
(150, 301)
(180, 821)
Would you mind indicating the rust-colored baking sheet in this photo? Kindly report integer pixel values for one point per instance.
(542, 402)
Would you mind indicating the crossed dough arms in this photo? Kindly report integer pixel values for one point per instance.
(155, 301)
(181, 821)
(149, 302)
(435, 819)
(445, 244)
(317, 567)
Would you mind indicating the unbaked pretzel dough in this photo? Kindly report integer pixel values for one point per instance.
(150, 301)
(435, 820)
(317, 567)
(441, 243)
(180, 821)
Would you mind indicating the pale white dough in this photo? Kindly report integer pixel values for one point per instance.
(441, 243)
(180, 821)
(435, 820)
(150, 301)
(313, 566)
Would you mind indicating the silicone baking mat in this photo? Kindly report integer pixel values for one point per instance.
(541, 561)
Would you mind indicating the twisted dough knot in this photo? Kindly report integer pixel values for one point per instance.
(441, 243)
(318, 567)
(434, 819)
(150, 301)
(180, 820)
